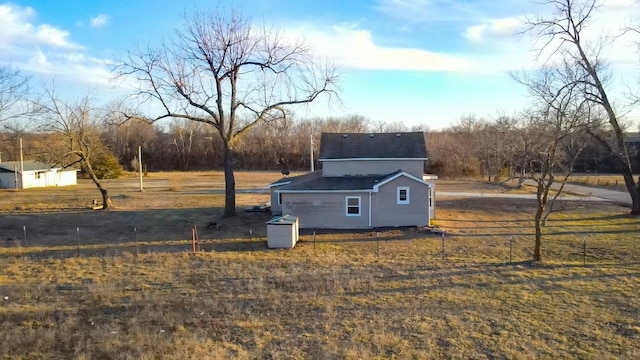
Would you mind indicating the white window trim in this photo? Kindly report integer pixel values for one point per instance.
(403, 202)
(346, 209)
(279, 197)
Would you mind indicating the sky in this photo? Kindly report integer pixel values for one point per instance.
(421, 62)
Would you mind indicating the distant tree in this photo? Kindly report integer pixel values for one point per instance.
(383, 126)
(123, 139)
(222, 68)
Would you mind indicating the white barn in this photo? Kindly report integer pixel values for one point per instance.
(35, 174)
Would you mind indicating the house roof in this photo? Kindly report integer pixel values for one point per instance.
(27, 165)
(315, 182)
(283, 220)
(30, 165)
(401, 145)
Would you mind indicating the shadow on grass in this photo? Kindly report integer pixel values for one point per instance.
(593, 218)
(548, 233)
(102, 233)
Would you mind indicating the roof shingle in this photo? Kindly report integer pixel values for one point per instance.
(316, 182)
(402, 145)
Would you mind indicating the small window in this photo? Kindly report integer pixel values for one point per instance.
(403, 195)
(279, 198)
(353, 205)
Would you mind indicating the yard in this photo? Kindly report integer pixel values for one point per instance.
(136, 292)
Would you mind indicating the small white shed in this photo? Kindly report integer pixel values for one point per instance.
(282, 232)
(29, 174)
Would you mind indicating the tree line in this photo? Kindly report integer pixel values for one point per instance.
(492, 148)
(179, 145)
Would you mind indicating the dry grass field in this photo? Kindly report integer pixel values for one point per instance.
(350, 295)
(608, 181)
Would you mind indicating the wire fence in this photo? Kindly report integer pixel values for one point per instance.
(410, 245)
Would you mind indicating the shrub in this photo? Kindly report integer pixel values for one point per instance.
(106, 166)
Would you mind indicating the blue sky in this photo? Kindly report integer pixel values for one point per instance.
(422, 62)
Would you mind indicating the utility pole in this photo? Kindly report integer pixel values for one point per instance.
(311, 152)
(140, 166)
(21, 167)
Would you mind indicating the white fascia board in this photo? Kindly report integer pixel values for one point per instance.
(377, 186)
(324, 191)
(375, 159)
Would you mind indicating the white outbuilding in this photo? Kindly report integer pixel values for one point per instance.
(282, 232)
(29, 174)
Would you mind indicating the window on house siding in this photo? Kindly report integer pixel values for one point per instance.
(279, 198)
(403, 195)
(353, 206)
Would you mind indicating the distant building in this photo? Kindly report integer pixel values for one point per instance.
(35, 174)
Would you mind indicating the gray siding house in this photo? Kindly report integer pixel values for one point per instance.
(367, 181)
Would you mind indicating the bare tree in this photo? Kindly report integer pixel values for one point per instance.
(222, 68)
(14, 90)
(123, 139)
(75, 132)
(553, 130)
(562, 34)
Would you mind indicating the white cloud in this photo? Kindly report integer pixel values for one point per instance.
(45, 49)
(17, 29)
(99, 21)
(353, 47)
(495, 28)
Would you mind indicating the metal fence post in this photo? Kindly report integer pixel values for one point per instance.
(510, 248)
(78, 239)
(135, 239)
(24, 232)
(443, 235)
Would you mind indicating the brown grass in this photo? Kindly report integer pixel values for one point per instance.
(351, 295)
(609, 181)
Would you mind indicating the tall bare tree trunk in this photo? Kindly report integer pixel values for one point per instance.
(106, 200)
(632, 187)
(229, 183)
(537, 256)
(620, 149)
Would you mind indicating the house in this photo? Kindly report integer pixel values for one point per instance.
(366, 181)
(31, 174)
